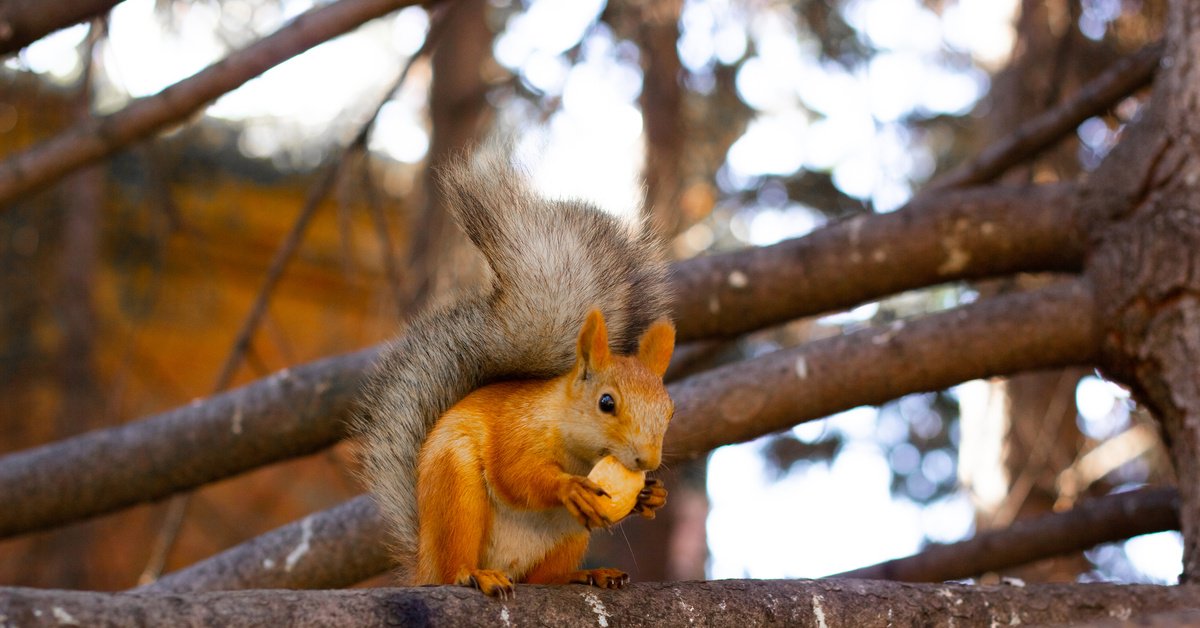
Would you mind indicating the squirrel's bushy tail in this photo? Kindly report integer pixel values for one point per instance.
(551, 262)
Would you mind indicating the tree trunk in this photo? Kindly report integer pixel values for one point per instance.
(1147, 266)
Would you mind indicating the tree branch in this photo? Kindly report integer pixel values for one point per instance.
(290, 414)
(322, 551)
(1090, 523)
(23, 22)
(735, 603)
(739, 402)
(949, 236)
(1096, 97)
(1171, 619)
(95, 139)
(1047, 328)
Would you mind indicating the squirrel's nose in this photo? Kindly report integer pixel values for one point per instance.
(647, 460)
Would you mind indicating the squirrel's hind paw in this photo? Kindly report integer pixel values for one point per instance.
(604, 578)
(491, 582)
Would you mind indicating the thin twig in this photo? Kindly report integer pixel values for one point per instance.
(172, 522)
(1103, 520)
(1097, 96)
(1043, 446)
(390, 267)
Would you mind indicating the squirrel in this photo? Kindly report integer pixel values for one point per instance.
(479, 423)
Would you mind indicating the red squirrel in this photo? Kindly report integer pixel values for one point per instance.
(502, 492)
(478, 425)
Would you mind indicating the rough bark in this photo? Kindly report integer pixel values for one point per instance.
(1104, 520)
(734, 603)
(1148, 262)
(1171, 619)
(292, 413)
(93, 140)
(23, 22)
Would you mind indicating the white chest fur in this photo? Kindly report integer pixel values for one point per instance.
(521, 538)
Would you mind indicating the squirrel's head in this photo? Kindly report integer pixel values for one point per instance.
(619, 405)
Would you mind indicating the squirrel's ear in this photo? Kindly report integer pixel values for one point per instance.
(593, 342)
(656, 346)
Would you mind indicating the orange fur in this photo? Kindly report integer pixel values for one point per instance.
(559, 565)
(501, 484)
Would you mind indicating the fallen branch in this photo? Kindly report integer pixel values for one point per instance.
(23, 22)
(1096, 97)
(734, 603)
(1090, 523)
(739, 402)
(97, 138)
(952, 236)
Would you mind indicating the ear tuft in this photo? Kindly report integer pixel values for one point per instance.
(656, 346)
(593, 353)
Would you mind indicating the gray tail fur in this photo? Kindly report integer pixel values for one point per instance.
(551, 262)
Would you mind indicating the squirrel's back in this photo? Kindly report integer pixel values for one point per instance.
(551, 262)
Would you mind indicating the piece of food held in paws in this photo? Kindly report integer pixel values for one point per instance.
(622, 486)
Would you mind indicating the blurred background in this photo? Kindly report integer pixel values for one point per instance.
(736, 122)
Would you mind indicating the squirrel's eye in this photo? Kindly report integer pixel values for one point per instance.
(607, 403)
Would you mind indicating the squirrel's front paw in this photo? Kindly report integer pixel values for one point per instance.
(652, 497)
(581, 497)
(491, 582)
(604, 578)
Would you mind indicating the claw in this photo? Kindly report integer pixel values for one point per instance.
(490, 582)
(601, 578)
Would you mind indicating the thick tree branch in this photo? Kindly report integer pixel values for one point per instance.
(1189, 618)
(93, 140)
(1043, 329)
(735, 603)
(945, 237)
(937, 238)
(342, 546)
(1048, 328)
(23, 22)
(290, 414)
(1090, 523)
(321, 551)
(1096, 97)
